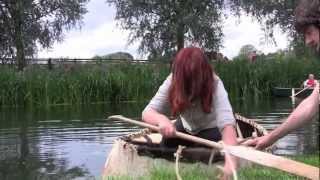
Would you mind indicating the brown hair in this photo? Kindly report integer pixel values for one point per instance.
(192, 80)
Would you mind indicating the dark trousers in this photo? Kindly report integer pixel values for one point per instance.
(212, 134)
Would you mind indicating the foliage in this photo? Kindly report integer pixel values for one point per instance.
(139, 81)
(81, 84)
(270, 13)
(24, 24)
(164, 25)
(246, 50)
(254, 80)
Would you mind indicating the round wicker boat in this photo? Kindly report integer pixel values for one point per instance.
(136, 154)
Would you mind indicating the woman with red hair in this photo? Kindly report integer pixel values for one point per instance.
(196, 97)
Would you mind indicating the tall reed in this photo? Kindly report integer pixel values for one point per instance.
(245, 79)
(135, 82)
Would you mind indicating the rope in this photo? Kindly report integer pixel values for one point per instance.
(228, 159)
(212, 155)
(178, 155)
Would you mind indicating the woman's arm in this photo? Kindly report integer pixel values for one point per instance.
(157, 109)
(226, 124)
(167, 129)
(229, 137)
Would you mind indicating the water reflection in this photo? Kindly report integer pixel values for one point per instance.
(66, 142)
(59, 142)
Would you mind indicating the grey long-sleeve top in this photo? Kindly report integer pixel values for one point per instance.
(193, 118)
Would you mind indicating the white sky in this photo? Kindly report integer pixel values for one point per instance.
(100, 35)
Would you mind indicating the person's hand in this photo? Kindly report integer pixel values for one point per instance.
(260, 143)
(167, 129)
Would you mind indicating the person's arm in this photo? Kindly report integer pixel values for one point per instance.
(226, 123)
(157, 109)
(304, 113)
(167, 129)
(229, 137)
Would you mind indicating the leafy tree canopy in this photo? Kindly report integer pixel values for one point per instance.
(24, 24)
(165, 26)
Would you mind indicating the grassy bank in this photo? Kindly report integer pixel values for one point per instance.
(251, 173)
(135, 82)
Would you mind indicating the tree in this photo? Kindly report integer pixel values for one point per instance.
(270, 13)
(24, 24)
(164, 26)
(246, 50)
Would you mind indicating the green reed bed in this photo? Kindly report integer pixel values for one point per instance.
(243, 79)
(136, 82)
(82, 84)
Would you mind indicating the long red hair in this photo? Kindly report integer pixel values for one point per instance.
(192, 79)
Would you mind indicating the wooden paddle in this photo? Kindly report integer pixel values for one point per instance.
(262, 158)
(294, 95)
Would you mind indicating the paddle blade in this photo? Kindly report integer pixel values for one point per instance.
(273, 161)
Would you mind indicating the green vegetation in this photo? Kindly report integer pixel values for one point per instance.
(251, 173)
(243, 79)
(196, 171)
(26, 26)
(80, 84)
(259, 172)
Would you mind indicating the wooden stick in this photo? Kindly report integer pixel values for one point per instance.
(300, 91)
(262, 158)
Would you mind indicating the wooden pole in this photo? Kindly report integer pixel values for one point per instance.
(262, 158)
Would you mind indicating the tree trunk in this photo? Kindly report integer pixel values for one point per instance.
(18, 40)
(180, 36)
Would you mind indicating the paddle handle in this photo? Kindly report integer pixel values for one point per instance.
(178, 134)
(249, 154)
(301, 91)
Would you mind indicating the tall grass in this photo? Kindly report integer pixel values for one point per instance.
(83, 84)
(136, 82)
(244, 79)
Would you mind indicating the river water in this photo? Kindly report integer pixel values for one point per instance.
(72, 142)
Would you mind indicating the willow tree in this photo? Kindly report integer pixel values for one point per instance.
(25, 24)
(163, 26)
(270, 14)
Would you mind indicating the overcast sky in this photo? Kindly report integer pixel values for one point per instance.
(100, 35)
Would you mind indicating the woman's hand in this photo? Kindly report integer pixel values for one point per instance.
(167, 128)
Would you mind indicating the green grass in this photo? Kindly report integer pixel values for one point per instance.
(187, 171)
(259, 172)
(108, 82)
(194, 172)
